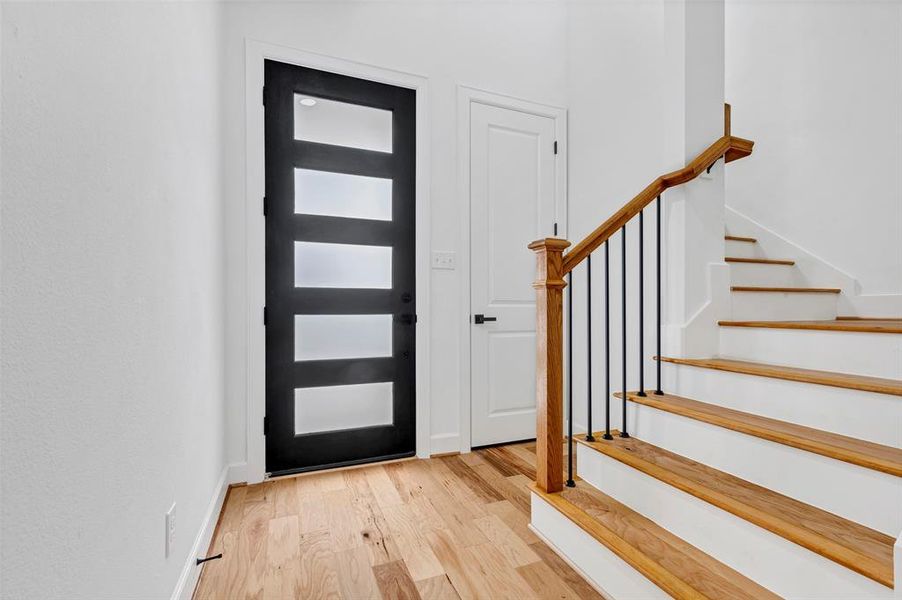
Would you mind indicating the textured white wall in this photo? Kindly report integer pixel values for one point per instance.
(112, 311)
(818, 86)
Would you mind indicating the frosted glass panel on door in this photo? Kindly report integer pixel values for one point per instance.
(341, 195)
(342, 124)
(323, 337)
(322, 265)
(342, 407)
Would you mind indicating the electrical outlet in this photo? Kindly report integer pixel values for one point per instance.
(170, 529)
(444, 260)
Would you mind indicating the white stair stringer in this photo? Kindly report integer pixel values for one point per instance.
(606, 571)
(781, 566)
(837, 410)
(862, 495)
(874, 354)
(782, 306)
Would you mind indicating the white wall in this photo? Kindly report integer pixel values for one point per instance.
(818, 86)
(514, 49)
(112, 345)
(636, 112)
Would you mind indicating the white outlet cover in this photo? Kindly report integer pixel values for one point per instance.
(170, 529)
(444, 260)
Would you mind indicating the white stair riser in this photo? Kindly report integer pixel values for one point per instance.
(839, 410)
(604, 569)
(862, 495)
(766, 275)
(742, 249)
(875, 354)
(780, 306)
(753, 551)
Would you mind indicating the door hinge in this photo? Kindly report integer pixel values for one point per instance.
(265, 203)
(266, 425)
(555, 229)
(264, 95)
(264, 316)
(555, 146)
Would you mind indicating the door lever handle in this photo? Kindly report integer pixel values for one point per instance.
(480, 319)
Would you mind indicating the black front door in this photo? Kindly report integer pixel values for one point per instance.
(340, 275)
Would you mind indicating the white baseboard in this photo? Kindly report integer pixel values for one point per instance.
(443, 443)
(184, 589)
(237, 473)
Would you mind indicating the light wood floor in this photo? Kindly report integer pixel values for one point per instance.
(451, 527)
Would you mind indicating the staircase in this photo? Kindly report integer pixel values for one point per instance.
(771, 470)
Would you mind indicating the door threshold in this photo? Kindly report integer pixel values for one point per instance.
(341, 466)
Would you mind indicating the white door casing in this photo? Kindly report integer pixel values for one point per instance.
(514, 196)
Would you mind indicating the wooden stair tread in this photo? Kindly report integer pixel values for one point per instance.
(785, 290)
(850, 318)
(845, 542)
(843, 380)
(850, 450)
(759, 261)
(739, 238)
(859, 325)
(674, 565)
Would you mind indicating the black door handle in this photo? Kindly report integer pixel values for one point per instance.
(480, 319)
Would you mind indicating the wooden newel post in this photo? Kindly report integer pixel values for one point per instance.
(549, 287)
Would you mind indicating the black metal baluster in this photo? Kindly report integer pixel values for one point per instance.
(589, 436)
(623, 432)
(659, 391)
(607, 346)
(570, 482)
(641, 306)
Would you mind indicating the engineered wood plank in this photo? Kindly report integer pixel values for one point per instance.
(514, 549)
(383, 489)
(499, 579)
(317, 565)
(516, 519)
(842, 380)
(414, 549)
(437, 588)
(861, 326)
(854, 546)
(252, 541)
(567, 573)
(342, 523)
(394, 581)
(858, 452)
(356, 579)
(283, 576)
(311, 510)
(483, 491)
(285, 497)
(545, 583)
(372, 525)
(465, 582)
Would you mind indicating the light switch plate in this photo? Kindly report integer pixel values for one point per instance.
(444, 260)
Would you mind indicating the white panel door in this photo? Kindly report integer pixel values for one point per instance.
(512, 203)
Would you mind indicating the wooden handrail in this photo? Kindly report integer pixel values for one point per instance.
(552, 266)
(728, 146)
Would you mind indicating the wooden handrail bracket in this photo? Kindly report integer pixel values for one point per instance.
(729, 147)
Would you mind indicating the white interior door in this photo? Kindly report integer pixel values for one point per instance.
(513, 198)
